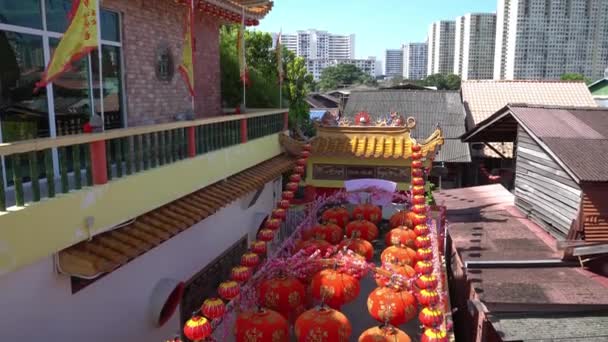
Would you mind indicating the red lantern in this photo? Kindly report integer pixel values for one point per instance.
(307, 147)
(334, 288)
(428, 282)
(279, 214)
(266, 235)
(329, 232)
(422, 241)
(424, 254)
(368, 212)
(418, 199)
(305, 154)
(258, 247)
(291, 186)
(323, 324)
(419, 209)
(299, 170)
(301, 162)
(417, 190)
(417, 173)
(240, 273)
(416, 156)
(296, 178)
(434, 335)
(388, 305)
(424, 267)
(283, 294)
(402, 218)
(428, 297)
(273, 224)
(416, 148)
(363, 229)
(197, 328)
(360, 246)
(421, 230)
(312, 245)
(400, 236)
(398, 255)
(213, 308)
(336, 215)
(250, 259)
(416, 164)
(283, 204)
(405, 271)
(287, 195)
(420, 219)
(261, 325)
(417, 181)
(385, 333)
(430, 317)
(228, 290)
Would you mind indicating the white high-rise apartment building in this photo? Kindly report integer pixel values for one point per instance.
(314, 44)
(393, 63)
(440, 41)
(474, 46)
(316, 66)
(414, 61)
(543, 39)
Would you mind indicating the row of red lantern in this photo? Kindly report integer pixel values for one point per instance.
(199, 327)
(430, 316)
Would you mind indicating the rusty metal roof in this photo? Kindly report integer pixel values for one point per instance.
(112, 249)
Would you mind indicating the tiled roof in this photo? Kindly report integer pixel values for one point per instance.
(428, 107)
(109, 250)
(370, 142)
(483, 98)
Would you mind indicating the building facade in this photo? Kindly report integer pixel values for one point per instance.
(441, 39)
(414, 61)
(393, 62)
(316, 66)
(474, 46)
(315, 44)
(538, 39)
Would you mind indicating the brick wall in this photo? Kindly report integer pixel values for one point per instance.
(146, 24)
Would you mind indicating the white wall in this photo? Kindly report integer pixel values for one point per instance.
(37, 304)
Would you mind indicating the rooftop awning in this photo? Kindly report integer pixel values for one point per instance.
(112, 249)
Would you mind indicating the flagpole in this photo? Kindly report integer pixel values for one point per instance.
(244, 76)
(280, 46)
(98, 14)
(191, 19)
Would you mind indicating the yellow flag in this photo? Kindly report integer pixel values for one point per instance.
(187, 66)
(79, 39)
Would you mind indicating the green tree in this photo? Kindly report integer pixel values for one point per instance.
(573, 76)
(443, 82)
(343, 75)
(298, 83)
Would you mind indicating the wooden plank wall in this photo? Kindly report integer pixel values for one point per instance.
(595, 212)
(543, 189)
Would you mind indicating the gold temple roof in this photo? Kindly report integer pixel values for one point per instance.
(371, 142)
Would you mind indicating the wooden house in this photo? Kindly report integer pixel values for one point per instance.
(561, 165)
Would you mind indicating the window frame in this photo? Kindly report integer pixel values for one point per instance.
(46, 35)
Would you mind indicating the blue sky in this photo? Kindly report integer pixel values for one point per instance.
(377, 24)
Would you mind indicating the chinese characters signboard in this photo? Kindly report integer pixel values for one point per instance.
(346, 172)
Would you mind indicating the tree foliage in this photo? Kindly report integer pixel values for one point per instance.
(298, 83)
(343, 75)
(443, 82)
(573, 76)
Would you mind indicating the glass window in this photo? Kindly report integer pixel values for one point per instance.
(57, 19)
(22, 13)
(72, 96)
(112, 86)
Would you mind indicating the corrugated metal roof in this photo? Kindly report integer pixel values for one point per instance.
(428, 107)
(587, 158)
(572, 327)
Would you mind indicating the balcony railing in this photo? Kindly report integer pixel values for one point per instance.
(100, 157)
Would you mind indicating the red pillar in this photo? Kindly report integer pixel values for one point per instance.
(98, 162)
(191, 142)
(285, 121)
(243, 131)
